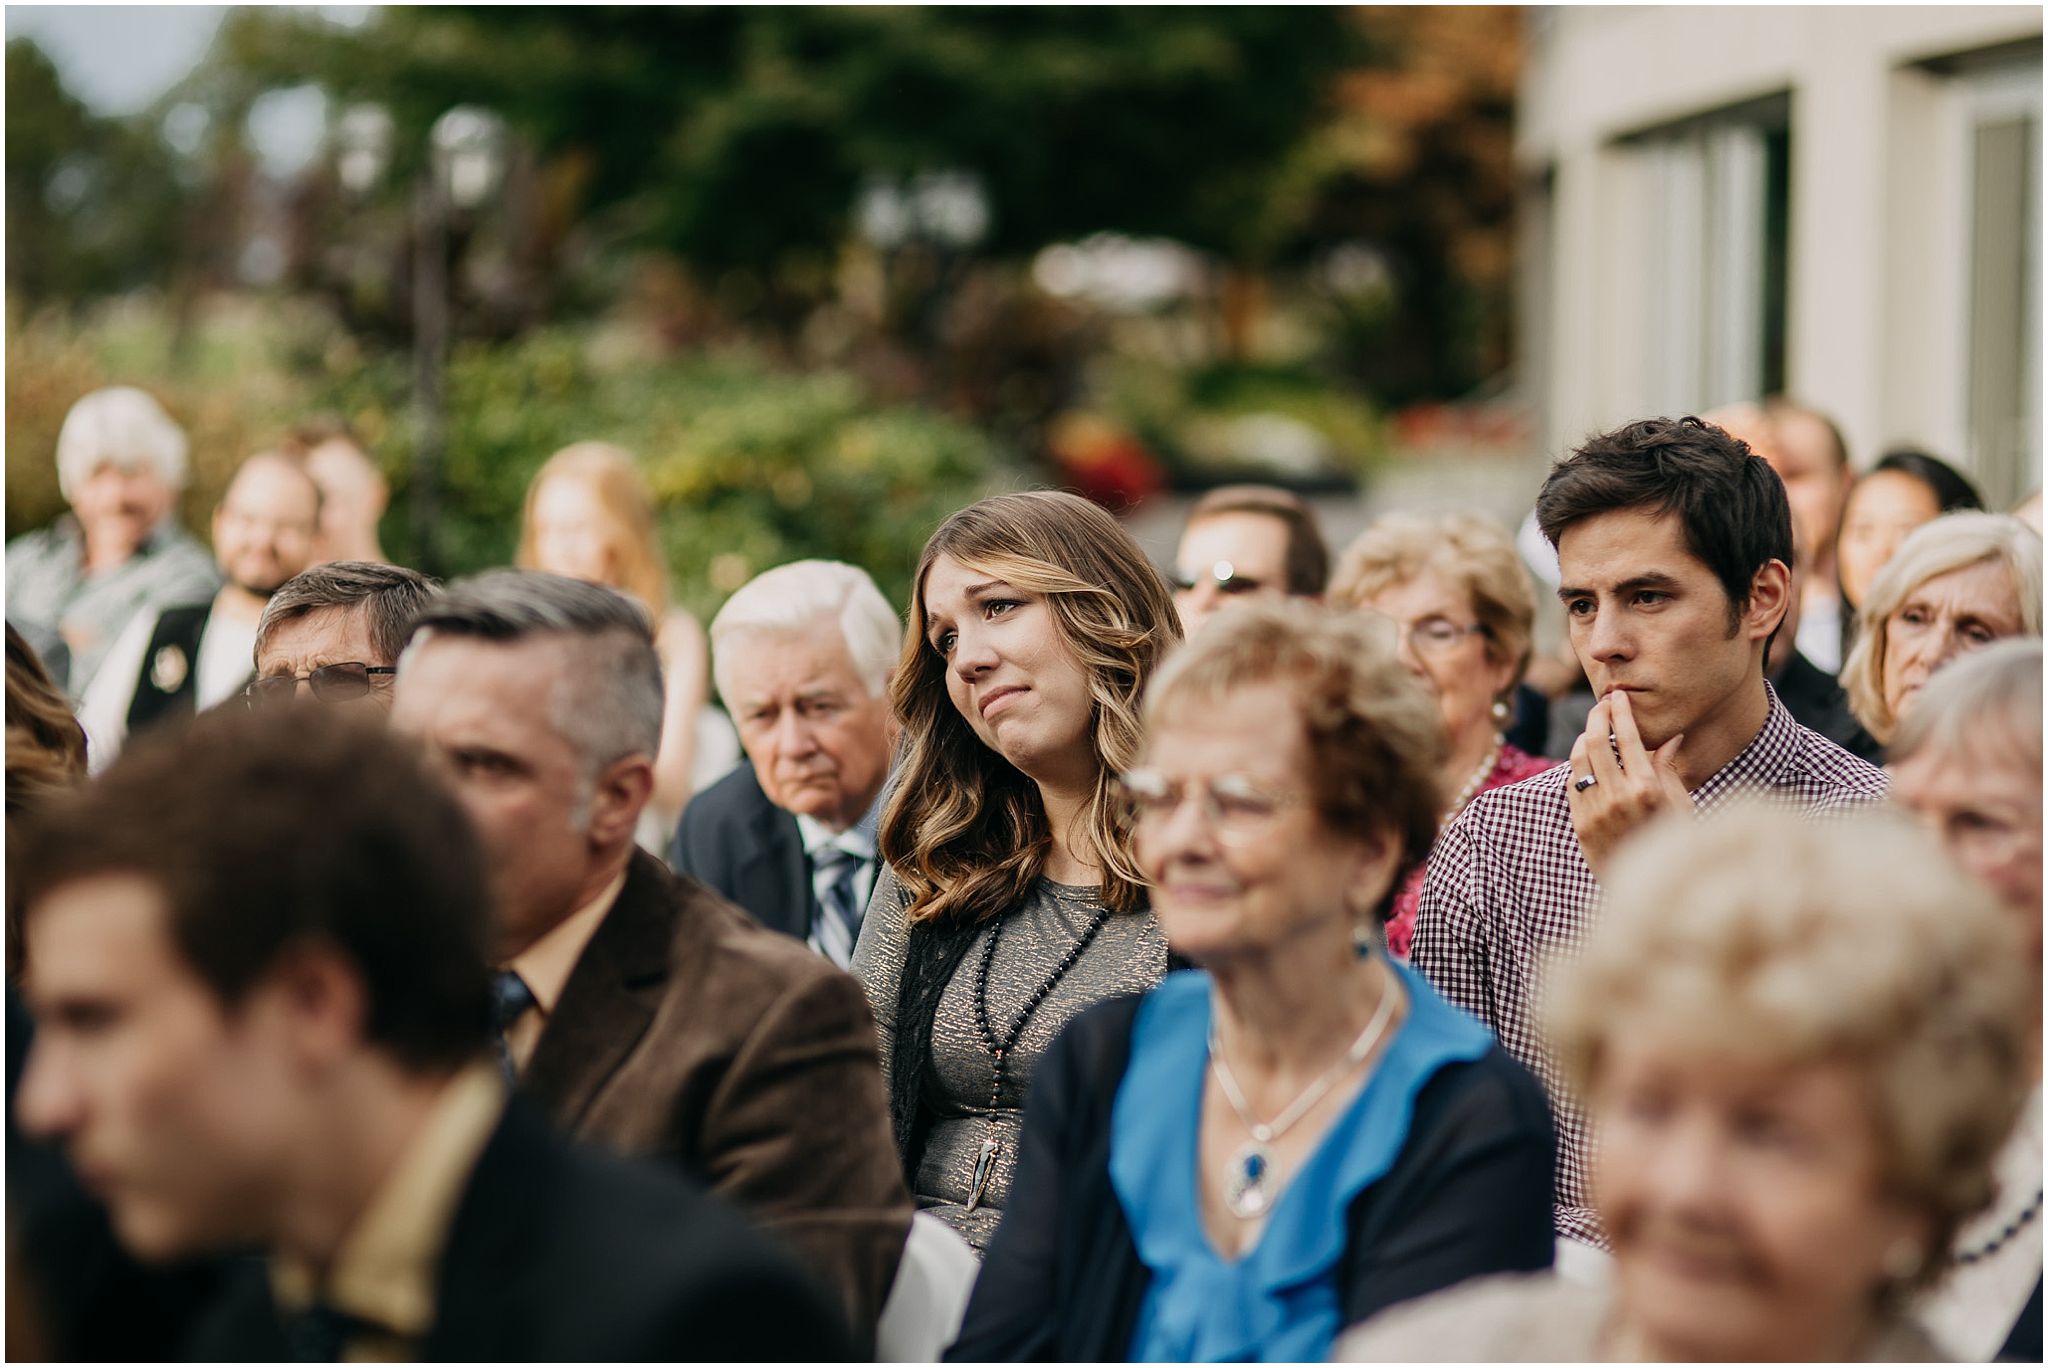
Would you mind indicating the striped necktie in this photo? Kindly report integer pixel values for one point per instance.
(839, 912)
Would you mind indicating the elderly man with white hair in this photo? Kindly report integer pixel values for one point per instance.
(802, 656)
(120, 464)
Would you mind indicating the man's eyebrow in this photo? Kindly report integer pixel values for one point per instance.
(1655, 579)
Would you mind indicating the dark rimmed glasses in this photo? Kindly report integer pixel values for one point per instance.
(337, 683)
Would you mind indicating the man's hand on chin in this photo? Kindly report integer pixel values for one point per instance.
(1629, 784)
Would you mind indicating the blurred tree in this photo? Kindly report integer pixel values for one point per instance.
(739, 138)
(93, 206)
(1416, 173)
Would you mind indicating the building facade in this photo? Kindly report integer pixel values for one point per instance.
(1837, 203)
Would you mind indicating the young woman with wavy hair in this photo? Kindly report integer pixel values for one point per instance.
(1011, 900)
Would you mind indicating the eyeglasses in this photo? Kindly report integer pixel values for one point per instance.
(1223, 574)
(1430, 636)
(337, 683)
(1237, 809)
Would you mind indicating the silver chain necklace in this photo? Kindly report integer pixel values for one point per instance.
(1248, 1181)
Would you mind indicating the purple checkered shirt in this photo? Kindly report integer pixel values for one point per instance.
(1509, 887)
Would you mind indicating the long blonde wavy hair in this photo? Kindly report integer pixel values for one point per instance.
(966, 831)
(613, 475)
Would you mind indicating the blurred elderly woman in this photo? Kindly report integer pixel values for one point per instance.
(1256, 1154)
(72, 586)
(1957, 583)
(1967, 760)
(1800, 1046)
(1010, 900)
(1454, 594)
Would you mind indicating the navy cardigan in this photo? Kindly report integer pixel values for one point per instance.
(1470, 1194)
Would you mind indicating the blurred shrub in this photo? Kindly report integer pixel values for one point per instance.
(750, 467)
(1225, 423)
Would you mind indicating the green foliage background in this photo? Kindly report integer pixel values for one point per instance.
(751, 467)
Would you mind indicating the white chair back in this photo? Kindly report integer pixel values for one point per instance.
(929, 1297)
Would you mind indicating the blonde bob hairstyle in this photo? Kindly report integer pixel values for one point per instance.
(966, 831)
(1473, 552)
(1756, 936)
(611, 473)
(1951, 542)
(1374, 737)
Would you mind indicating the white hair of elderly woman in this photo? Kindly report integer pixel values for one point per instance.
(124, 426)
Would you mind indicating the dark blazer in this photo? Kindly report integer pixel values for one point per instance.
(751, 851)
(689, 1033)
(1470, 1194)
(561, 1253)
(1816, 699)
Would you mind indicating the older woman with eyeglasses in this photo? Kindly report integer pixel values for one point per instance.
(1955, 584)
(1451, 591)
(1238, 1164)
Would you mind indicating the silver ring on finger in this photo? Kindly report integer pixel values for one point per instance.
(1584, 782)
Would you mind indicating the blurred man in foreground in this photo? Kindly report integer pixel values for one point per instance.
(256, 956)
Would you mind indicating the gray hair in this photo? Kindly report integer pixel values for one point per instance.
(123, 426)
(1951, 542)
(391, 595)
(608, 701)
(1988, 705)
(792, 597)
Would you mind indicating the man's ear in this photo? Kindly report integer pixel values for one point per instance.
(621, 791)
(313, 996)
(1770, 594)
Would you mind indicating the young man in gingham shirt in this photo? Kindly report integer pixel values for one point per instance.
(1674, 542)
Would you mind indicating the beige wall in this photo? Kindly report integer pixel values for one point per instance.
(1874, 285)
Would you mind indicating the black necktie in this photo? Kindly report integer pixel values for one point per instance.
(511, 999)
(320, 1333)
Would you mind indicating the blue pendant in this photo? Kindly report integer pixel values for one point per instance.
(1247, 1189)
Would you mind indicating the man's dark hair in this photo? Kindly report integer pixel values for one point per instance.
(391, 595)
(1308, 555)
(268, 831)
(1952, 489)
(1728, 500)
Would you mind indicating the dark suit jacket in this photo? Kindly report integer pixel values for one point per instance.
(688, 1032)
(561, 1253)
(751, 851)
(1470, 1194)
(1817, 699)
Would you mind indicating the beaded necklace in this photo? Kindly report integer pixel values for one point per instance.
(1000, 1046)
(2004, 1237)
(1471, 789)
